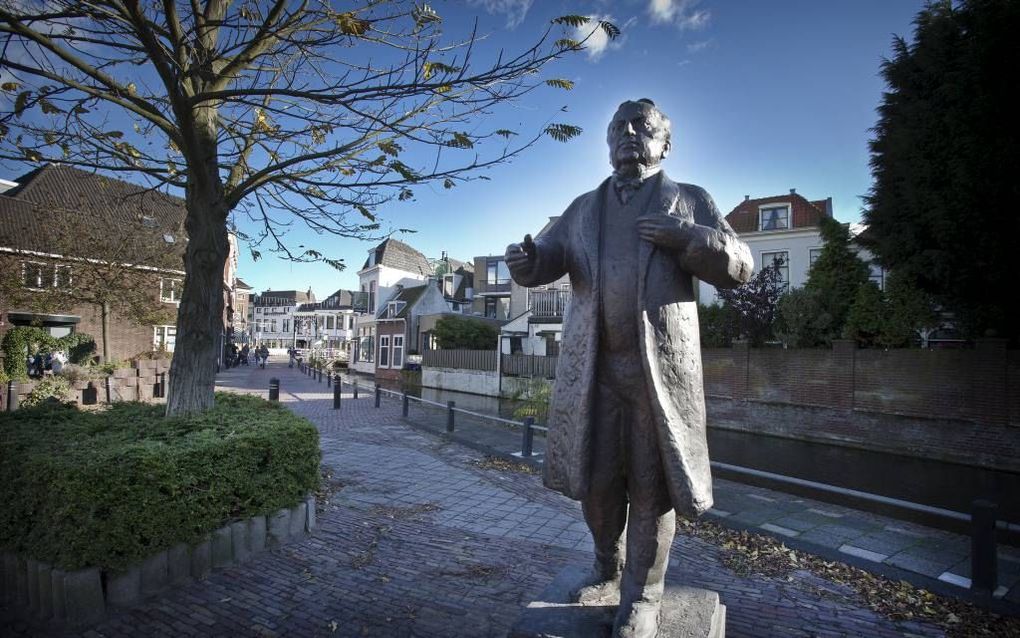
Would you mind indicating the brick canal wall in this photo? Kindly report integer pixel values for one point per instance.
(952, 405)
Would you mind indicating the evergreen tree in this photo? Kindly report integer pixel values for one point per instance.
(866, 321)
(835, 277)
(945, 160)
(800, 320)
(908, 310)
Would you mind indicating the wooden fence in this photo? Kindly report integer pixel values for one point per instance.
(464, 359)
(527, 365)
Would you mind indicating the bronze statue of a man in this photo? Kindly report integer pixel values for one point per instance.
(627, 418)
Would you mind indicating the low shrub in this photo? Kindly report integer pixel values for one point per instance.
(55, 387)
(110, 488)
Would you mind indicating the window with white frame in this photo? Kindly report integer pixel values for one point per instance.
(876, 274)
(371, 297)
(398, 351)
(164, 337)
(384, 351)
(813, 255)
(781, 259)
(39, 276)
(170, 290)
(774, 217)
(395, 307)
(330, 322)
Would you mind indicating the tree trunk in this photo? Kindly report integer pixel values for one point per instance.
(200, 315)
(105, 310)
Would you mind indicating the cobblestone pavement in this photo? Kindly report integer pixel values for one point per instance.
(421, 539)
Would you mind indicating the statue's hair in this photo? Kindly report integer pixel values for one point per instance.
(666, 123)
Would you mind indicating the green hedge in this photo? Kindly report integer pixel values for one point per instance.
(18, 342)
(109, 488)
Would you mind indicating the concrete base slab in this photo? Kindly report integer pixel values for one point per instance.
(298, 520)
(83, 595)
(32, 581)
(239, 538)
(178, 563)
(57, 577)
(257, 534)
(222, 548)
(687, 612)
(201, 559)
(310, 504)
(279, 527)
(155, 574)
(124, 588)
(45, 585)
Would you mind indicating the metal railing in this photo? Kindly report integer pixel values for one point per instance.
(548, 303)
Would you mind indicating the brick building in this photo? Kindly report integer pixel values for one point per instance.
(54, 200)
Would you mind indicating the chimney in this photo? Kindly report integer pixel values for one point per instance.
(793, 191)
(747, 198)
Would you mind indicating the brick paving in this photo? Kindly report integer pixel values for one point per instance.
(419, 540)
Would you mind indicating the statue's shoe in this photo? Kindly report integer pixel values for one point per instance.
(640, 620)
(599, 592)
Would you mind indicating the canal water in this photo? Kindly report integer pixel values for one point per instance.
(940, 484)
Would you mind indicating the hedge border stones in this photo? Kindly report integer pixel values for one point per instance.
(82, 597)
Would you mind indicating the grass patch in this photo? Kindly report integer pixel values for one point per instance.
(109, 488)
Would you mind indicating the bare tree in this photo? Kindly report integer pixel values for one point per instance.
(272, 110)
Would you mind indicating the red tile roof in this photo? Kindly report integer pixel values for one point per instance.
(805, 214)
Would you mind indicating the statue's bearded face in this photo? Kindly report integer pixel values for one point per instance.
(638, 137)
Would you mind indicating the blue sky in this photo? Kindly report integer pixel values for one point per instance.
(764, 97)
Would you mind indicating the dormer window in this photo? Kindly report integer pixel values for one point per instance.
(774, 217)
(394, 308)
(448, 287)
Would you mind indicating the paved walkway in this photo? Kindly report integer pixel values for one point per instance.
(878, 543)
(422, 538)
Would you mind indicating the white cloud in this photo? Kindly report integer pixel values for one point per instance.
(685, 14)
(598, 42)
(515, 10)
(701, 45)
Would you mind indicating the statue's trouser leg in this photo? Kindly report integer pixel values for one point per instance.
(605, 508)
(651, 523)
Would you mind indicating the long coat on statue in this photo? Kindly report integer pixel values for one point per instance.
(668, 333)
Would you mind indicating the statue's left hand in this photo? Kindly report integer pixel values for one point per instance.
(665, 230)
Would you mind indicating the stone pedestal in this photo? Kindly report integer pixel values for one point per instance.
(687, 612)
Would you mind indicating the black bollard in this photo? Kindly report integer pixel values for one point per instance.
(109, 391)
(12, 396)
(355, 389)
(527, 444)
(329, 380)
(450, 405)
(274, 389)
(405, 406)
(378, 394)
(337, 389)
(984, 576)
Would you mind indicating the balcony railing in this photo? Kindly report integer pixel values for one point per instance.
(549, 303)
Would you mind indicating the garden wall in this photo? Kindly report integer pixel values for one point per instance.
(140, 382)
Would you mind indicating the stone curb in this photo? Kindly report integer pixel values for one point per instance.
(83, 596)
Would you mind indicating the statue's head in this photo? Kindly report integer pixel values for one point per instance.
(638, 136)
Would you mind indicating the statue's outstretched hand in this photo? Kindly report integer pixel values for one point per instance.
(665, 230)
(520, 257)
